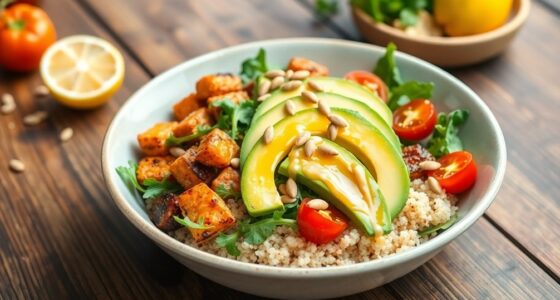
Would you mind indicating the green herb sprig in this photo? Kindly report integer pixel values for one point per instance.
(150, 188)
(190, 224)
(200, 131)
(253, 67)
(445, 138)
(234, 118)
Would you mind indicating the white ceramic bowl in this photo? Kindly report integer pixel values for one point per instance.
(481, 135)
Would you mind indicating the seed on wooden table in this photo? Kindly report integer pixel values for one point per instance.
(300, 75)
(282, 188)
(309, 96)
(429, 165)
(291, 85)
(332, 131)
(291, 188)
(8, 99)
(16, 165)
(41, 91)
(289, 74)
(338, 120)
(276, 82)
(310, 147)
(434, 185)
(8, 108)
(35, 118)
(303, 138)
(290, 108)
(264, 87)
(315, 86)
(234, 162)
(327, 149)
(177, 151)
(263, 97)
(8, 103)
(268, 135)
(324, 108)
(274, 73)
(287, 199)
(318, 204)
(66, 134)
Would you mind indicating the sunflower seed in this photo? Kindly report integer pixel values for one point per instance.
(310, 96)
(66, 134)
(291, 85)
(310, 147)
(327, 149)
(429, 165)
(274, 73)
(177, 151)
(324, 108)
(268, 135)
(234, 162)
(318, 204)
(372, 86)
(303, 138)
(8, 103)
(338, 121)
(276, 82)
(264, 87)
(282, 189)
(263, 97)
(300, 75)
(289, 74)
(332, 132)
(8, 108)
(35, 118)
(290, 108)
(291, 188)
(16, 165)
(434, 185)
(287, 199)
(315, 86)
(41, 91)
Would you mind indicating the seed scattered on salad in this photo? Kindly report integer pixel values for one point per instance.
(310, 147)
(318, 204)
(264, 87)
(274, 73)
(324, 108)
(332, 132)
(66, 134)
(291, 188)
(429, 165)
(177, 151)
(300, 75)
(327, 149)
(338, 121)
(310, 96)
(291, 85)
(234, 163)
(302, 138)
(315, 86)
(434, 185)
(41, 91)
(35, 118)
(263, 97)
(277, 82)
(289, 74)
(282, 189)
(16, 165)
(290, 108)
(287, 199)
(268, 135)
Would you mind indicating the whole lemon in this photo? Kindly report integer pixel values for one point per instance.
(467, 17)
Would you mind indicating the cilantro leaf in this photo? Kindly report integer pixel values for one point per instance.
(229, 241)
(128, 175)
(325, 8)
(226, 192)
(234, 118)
(155, 188)
(190, 224)
(387, 69)
(439, 227)
(176, 141)
(252, 68)
(410, 90)
(445, 138)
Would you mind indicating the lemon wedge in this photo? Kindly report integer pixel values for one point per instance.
(82, 71)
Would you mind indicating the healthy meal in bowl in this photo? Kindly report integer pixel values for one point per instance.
(291, 167)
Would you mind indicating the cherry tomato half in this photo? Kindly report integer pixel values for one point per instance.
(415, 120)
(457, 172)
(320, 226)
(370, 81)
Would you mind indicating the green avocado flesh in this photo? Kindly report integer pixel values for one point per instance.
(348, 197)
(338, 86)
(361, 138)
(278, 113)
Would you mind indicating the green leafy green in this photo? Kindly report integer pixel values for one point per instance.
(408, 17)
(325, 8)
(445, 138)
(252, 68)
(410, 90)
(226, 192)
(190, 224)
(229, 241)
(387, 69)
(439, 227)
(389, 10)
(128, 176)
(155, 188)
(234, 118)
(201, 130)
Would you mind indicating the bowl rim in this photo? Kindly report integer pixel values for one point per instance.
(170, 244)
(520, 15)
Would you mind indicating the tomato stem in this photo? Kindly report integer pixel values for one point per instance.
(16, 25)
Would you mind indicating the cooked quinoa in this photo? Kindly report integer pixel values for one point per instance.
(286, 248)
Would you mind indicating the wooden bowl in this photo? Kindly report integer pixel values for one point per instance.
(446, 51)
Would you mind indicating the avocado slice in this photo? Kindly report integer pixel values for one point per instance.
(278, 113)
(333, 85)
(336, 184)
(361, 138)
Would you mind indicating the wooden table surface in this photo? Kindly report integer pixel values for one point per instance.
(61, 236)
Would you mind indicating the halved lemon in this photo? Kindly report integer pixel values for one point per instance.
(82, 71)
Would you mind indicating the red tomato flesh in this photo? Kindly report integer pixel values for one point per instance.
(320, 226)
(415, 120)
(371, 81)
(457, 172)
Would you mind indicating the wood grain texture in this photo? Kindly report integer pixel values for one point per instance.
(63, 238)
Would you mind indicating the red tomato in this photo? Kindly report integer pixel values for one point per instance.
(320, 226)
(457, 172)
(415, 120)
(371, 81)
(25, 33)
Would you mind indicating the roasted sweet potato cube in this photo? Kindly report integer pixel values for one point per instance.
(186, 106)
(228, 179)
(152, 141)
(199, 117)
(188, 172)
(315, 68)
(216, 149)
(154, 167)
(235, 97)
(161, 211)
(217, 84)
(200, 202)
